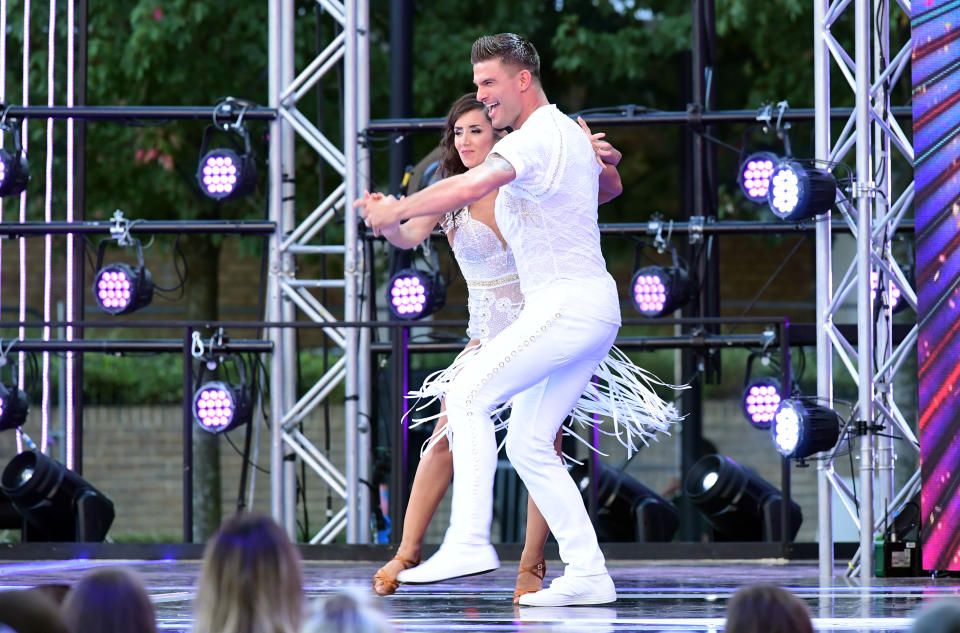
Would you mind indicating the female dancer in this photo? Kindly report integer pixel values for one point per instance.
(494, 301)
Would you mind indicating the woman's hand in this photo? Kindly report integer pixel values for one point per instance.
(377, 212)
(606, 153)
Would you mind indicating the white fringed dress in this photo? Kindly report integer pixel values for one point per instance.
(621, 393)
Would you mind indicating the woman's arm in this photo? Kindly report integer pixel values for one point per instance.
(449, 194)
(610, 185)
(411, 232)
(608, 157)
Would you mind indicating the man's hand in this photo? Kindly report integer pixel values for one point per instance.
(377, 211)
(606, 153)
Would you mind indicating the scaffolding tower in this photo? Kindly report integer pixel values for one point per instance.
(297, 234)
(874, 212)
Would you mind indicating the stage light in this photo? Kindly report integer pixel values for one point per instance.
(13, 407)
(738, 503)
(227, 172)
(802, 428)
(893, 292)
(14, 169)
(798, 192)
(627, 511)
(219, 407)
(760, 400)
(120, 288)
(658, 290)
(754, 176)
(414, 294)
(56, 503)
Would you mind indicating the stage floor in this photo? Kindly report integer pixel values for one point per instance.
(653, 596)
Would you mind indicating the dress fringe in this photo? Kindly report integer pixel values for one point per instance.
(621, 392)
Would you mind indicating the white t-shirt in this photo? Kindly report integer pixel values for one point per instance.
(548, 213)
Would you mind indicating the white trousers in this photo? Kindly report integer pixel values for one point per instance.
(543, 361)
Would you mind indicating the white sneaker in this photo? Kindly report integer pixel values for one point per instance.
(572, 591)
(452, 560)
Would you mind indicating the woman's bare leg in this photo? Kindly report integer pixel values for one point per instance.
(429, 485)
(536, 538)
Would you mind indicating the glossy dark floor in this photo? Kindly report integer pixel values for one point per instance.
(653, 596)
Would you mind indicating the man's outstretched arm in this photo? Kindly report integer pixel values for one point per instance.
(449, 194)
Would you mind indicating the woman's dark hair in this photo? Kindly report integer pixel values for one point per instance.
(109, 600)
(765, 608)
(450, 163)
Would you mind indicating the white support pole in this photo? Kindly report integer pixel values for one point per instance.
(364, 279)
(351, 271)
(288, 349)
(824, 250)
(883, 346)
(274, 293)
(863, 190)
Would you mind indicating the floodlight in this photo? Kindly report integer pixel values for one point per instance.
(627, 511)
(120, 288)
(802, 428)
(414, 294)
(227, 172)
(56, 503)
(14, 170)
(760, 400)
(13, 407)
(893, 294)
(219, 406)
(659, 290)
(738, 503)
(754, 176)
(799, 192)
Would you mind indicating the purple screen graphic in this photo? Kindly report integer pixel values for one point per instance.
(936, 124)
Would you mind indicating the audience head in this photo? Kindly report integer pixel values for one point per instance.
(346, 612)
(767, 609)
(941, 617)
(28, 611)
(251, 580)
(55, 591)
(109, 600)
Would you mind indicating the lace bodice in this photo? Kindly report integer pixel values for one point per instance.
(494, 298)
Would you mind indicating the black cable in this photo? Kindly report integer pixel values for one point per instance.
(179, 258)
(802, 360)
(853, 478)
(716, 141)
(773, 277)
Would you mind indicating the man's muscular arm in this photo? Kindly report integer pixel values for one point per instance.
(450, 193)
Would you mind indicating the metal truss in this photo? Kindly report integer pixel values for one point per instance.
(297, 234)
(874, 213)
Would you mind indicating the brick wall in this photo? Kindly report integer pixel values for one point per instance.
(133, 455)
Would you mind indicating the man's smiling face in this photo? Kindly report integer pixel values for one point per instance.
(498, 88)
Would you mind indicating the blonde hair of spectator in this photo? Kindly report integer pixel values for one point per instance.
(347, 611)
(251, 580)
(764, 608)
(109, 600)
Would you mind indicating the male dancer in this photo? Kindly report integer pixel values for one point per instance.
(547, 212)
